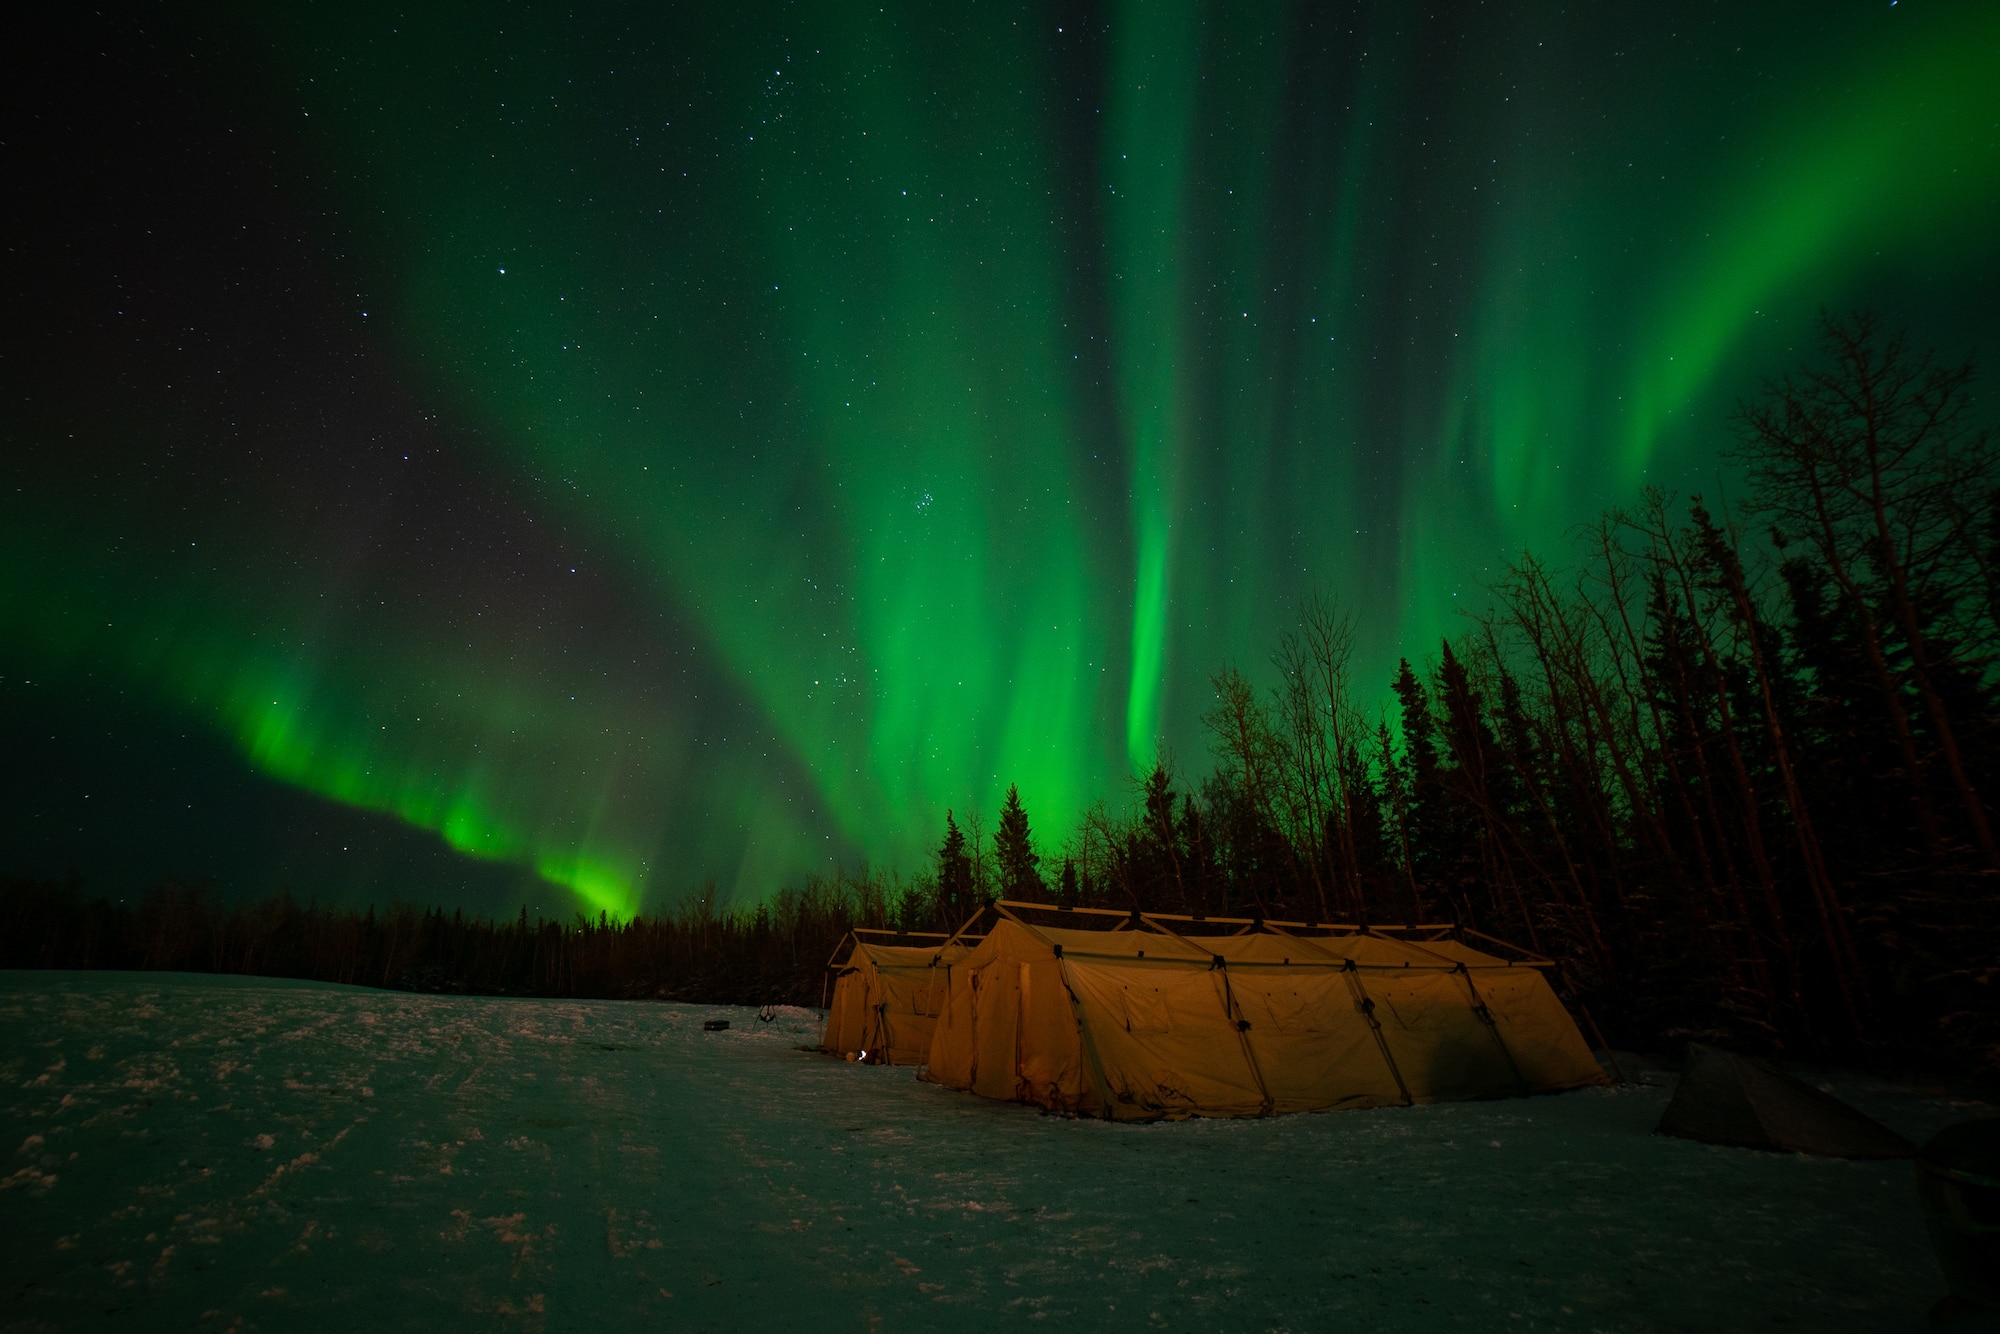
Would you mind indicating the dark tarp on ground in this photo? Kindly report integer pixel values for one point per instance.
(1723, 1098)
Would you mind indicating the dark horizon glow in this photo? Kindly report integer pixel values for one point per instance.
(643, 448)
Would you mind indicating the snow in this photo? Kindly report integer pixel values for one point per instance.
(231, 1153)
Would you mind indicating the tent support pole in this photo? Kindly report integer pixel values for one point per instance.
(1309, 940)
(847, 942)
(1150, 920)
(961, 930)
(1234, 1013)
(1505, 944)
(1366, 1004)
(1485, 1013)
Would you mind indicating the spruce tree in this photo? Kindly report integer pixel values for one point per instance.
(1421, 794)
(1014, 851)
(954, 875)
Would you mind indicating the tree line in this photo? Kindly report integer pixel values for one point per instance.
(772, 953)
(1729, 768)
(1726, 765)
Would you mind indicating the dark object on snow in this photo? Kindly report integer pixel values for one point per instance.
(1958, 1180)
(768, 1014)
(1724, 1098)
(714, 1025)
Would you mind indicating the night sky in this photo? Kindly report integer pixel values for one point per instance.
(501, 454)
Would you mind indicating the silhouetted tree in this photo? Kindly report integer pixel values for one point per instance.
(1014, 851)
(955, 894)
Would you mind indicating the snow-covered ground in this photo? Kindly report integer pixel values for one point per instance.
(223, 1153)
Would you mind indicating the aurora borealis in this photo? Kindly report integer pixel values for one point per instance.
(578, 455)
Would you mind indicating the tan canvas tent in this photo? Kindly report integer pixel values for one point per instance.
(1151, 1020)
(885, 996)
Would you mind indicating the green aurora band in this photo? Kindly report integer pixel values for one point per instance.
(968, 386)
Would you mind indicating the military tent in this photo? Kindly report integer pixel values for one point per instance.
(885, 996)
(1161, 1017)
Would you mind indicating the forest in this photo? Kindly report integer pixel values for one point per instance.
(1726, 763)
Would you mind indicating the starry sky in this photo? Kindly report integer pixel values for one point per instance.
(511, 454)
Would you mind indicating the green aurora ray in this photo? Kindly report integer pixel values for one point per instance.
(958, 389)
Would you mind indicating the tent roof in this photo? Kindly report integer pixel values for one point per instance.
(880, 955)
(1158, 938)
(909, 954)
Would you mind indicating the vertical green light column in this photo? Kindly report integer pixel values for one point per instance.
(1150, 103)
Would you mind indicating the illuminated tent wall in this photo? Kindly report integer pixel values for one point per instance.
(1149, 1021)
(885, 997)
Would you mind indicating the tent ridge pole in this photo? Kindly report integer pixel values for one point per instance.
(1153, 921)
(961, 930)
(1507, 944)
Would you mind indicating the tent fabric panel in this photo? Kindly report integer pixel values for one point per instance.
(1322, 950)
(1127, 944)
(967, 1035)
(1542, 1038)
(846, 1014)
(1312, 1044)
(885, 1002)
(1051, 1072)
(1443, 1049)
(1164, 1042)
(905, 1039)
(1278, 950)
(1007, 1029)
(995, 1027)
(951, 1037)
(906, 1001)
(912, 990)
(905, 956)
